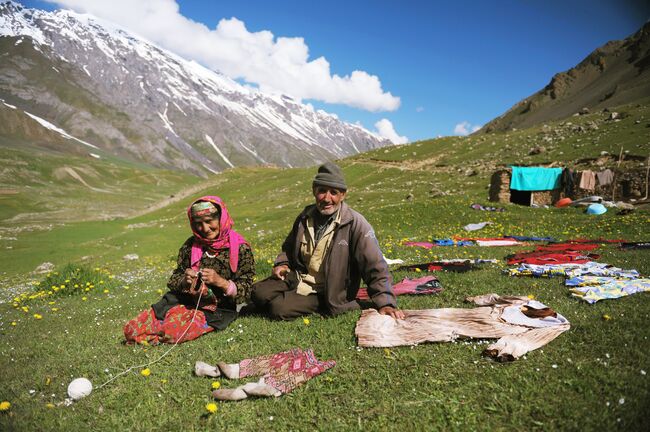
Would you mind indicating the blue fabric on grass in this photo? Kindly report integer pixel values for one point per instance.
(535, 178)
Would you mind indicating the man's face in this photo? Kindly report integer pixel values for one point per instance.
(328, 199)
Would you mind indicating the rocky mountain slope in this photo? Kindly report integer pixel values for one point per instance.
(615, 74)
(97, 83)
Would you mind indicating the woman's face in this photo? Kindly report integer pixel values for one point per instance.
(207, 226)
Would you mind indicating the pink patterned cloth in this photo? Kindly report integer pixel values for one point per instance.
(228, 238)
(425, 245)
(423, 285)
(286, 370)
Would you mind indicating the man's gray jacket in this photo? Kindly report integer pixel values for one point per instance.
(354, 255)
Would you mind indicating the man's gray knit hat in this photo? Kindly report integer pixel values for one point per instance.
(329, 174)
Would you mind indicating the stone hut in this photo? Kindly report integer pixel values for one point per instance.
(628, 185)
(500, 192)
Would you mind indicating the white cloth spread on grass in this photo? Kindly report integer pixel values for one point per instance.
(448, 324)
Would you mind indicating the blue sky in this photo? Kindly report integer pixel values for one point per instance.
(427, 66)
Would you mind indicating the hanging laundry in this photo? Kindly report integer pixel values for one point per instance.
(476, 226)
(423, 285)
(535, 178)
(587, 181)
(605, 177)
(498, 317)
(566, 180)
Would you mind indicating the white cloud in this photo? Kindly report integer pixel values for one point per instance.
(465, 128)
(385, 129)
(275, 64)
(419, 109)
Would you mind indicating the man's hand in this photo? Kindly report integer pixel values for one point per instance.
(391, 311)
(279, 272)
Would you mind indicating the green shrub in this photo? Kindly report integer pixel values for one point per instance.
(72, 279)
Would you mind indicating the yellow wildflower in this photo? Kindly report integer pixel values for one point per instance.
(38, 316)
(105, 291)
(530, 296)
(607, 317)
(84, 298)
(306, 321)
(13, 323)
(5, 405)
(211, 407)
(216, 385)
(145, 372)
(49, 405)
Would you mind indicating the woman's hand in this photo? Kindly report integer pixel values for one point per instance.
(279, 272)
(213, 278)
(189, 277)
(391, 311)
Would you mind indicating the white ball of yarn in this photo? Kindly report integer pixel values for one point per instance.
(79, 388)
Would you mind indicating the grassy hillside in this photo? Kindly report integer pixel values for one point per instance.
(591, 378)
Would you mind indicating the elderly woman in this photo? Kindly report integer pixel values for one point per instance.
(215, 271)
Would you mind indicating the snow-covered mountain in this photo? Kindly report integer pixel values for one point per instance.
(130, 98)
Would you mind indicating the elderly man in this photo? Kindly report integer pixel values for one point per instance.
(328, 251)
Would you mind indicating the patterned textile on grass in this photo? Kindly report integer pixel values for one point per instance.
(147, 328)
(594, 288)
(507, 319)
(423, 285)
(548, 257)
(285, 370)
(571, 270)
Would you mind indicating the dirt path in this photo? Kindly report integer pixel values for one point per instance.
(407, 165)
(178, 196)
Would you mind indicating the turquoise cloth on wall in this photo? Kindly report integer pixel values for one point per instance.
(535, 178)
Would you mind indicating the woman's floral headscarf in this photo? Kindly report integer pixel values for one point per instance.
(227, 238)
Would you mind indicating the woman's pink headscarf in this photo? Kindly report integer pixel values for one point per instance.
(227, 238)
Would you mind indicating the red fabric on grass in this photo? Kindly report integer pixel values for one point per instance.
(146, 328)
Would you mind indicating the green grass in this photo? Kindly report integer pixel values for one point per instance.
(576, 382)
